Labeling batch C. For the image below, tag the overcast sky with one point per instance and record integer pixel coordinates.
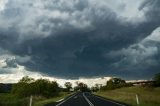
(79, 38)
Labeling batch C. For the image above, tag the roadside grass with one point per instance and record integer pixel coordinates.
(147, 96)
(8, 99)
(53, 100)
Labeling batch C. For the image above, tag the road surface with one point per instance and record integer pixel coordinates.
(86, 99)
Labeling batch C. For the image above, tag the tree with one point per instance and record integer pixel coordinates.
(1, 88)
(76, 88)
(115, 83)
(42, 87)
(118, 81)
(45, 88)
(82, 87)
(24, 87)
(68, 85)
(96, 87)
(157, 79)
(26, 79)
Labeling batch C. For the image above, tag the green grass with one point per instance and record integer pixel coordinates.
(147, 96)
(51, 100)
(7, 99)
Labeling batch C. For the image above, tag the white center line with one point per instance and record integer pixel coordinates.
(90, 103)
(66, 100)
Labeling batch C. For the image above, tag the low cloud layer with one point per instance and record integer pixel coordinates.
(81, 38)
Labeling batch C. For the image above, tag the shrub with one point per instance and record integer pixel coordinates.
(157, 79)
(41, 87)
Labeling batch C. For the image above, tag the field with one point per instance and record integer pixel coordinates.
(7, 99)
(51, 100)
(147, 96)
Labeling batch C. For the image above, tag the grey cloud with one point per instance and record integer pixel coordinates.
(11, 63)
(71, 38)
(140, 57)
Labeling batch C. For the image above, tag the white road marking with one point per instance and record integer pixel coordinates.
(60, 100)
(90, 103)
(66, 100)
(109, 101)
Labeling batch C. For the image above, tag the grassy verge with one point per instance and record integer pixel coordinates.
(7, 99)
(147, 96)
(51, 100)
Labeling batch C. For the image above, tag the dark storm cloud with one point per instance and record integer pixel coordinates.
(11, 63)
(80, 37)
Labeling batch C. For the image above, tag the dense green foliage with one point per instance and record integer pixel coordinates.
(157, 79)
(115, 83)
(8, 99)
(28, 86)
(5, 88)
(53, 100)
(1, 90)
(81, 87)
(68, 86)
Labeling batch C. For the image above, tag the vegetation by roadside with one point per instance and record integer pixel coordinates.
(41, 87)
(53, 100)
(46, 92)
(8, 99)
(148, 96)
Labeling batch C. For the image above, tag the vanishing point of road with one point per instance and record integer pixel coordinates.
(86, 99)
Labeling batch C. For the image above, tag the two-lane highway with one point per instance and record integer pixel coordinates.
(87, 99)
(75, 100)
(100, 101)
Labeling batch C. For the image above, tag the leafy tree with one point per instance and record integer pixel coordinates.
(68, 85)
(26, 79)
(82, 87)
(110, 84)
(28, 86)
(157, 79)
(94, 89)
(115, 83)
(1, 88)
(76, 88)
(45, 87)
(118, 81)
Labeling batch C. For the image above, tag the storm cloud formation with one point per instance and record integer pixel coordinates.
(75, 38)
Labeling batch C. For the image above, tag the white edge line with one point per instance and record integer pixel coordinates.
(65, 100)
(90, 103)
(110, 101)
(60, 100)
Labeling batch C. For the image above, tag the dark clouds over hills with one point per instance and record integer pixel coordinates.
(77, 38)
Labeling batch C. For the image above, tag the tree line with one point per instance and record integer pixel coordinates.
(42, 87)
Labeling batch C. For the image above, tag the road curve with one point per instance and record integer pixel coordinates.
(86, 99)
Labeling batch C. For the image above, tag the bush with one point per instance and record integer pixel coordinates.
(68, 86)
(41, 87)
(115, 83)
(157, 79)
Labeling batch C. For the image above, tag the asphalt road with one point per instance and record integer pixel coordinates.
(86, 99)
